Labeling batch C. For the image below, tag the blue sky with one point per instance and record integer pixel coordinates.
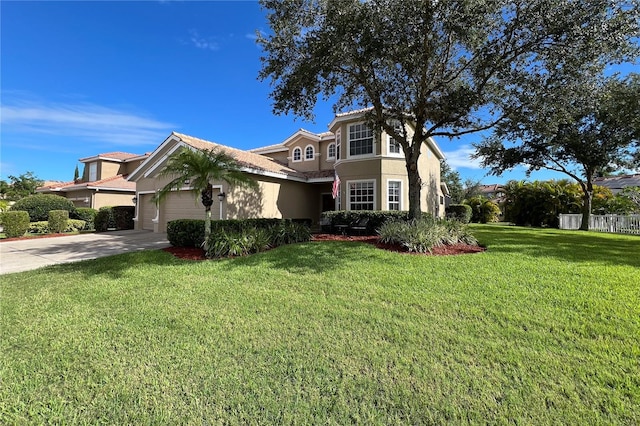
(82, 78)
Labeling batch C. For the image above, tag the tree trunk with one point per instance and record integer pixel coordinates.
(415, 188)
(207, 201)
(586, 205)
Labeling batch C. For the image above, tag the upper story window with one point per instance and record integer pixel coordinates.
(309, 153)
(297, 154)
(331, 151)
(393, 146)
(93, 171)
(338, 141)
(360, 140)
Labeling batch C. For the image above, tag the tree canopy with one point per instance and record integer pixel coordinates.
(20, 186)
(446, 67)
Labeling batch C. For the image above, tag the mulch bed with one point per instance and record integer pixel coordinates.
(192, 253)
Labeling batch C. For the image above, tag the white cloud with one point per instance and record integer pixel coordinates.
(461, 157)
(206, 43)
(87, 121)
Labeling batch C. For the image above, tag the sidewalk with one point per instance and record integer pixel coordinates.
(25, 255)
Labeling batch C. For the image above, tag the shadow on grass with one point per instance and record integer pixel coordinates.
(570, 246)
(312, 257)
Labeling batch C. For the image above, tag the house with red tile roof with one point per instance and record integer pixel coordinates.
(296, 177)
(103, 181)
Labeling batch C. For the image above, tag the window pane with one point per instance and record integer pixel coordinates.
(360, 139)
(394, 195)
(361, 195)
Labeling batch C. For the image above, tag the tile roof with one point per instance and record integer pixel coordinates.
(618, 182)
(245, 158)
(119, 156)
(113, 182)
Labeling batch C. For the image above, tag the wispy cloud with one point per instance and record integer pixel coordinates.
(206, 43)
(89, 122)
(461, 157)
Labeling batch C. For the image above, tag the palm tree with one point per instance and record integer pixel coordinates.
(200, 168)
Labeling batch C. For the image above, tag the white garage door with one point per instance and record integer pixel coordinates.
(185, 205)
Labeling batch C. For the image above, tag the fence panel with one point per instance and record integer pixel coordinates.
(613, 223)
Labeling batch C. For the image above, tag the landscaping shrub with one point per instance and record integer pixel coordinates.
(460, 212)
(87, 215)
(76, 225)
(483, 210)
(186, 232)
(123, 217)
(422, 235)
(15, 223)
(58, 221)
(104, 219)
(39, 227)
(38, 206)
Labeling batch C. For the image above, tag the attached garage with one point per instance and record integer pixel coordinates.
(185, 205)
(147, 211)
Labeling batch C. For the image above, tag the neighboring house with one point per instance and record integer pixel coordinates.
(618, 183)
(493, 192)
(296, 177)
(103, 182)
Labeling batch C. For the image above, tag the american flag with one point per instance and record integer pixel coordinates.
(336, 186)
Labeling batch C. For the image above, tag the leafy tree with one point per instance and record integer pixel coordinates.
(442, 67)
(20, 186)
(483, 210)
(632, 193)
(581, 132)
(200, 168)
(454, 183)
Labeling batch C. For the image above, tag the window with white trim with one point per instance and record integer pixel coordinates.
(360, 140)
(297, 154)
(393, 146)
(331, 151)
(338, 141)
(362, 195)
(394, 193)
(309, 153)
(93, 171)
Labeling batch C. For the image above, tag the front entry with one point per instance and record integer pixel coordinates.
(328, 203)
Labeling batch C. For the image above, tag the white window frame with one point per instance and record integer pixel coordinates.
(293, 154)
(399, 202)
(329, 156)
(391, 141)
(350, 141)
(93, 171)
(348, 192)
(306, 153)
(338, 142)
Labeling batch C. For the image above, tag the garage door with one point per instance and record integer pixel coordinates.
(147, 211)
(184, 205)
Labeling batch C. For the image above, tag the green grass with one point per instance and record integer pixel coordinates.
(543, 328)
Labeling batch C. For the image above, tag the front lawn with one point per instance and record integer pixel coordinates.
(543, 328)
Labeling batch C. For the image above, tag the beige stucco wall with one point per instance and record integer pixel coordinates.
(304, 165)
(107, 169)
(325, 163)
(109, 198)
(281, 157)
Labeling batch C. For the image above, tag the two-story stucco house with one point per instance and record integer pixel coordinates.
(296, 177)
(103, 182)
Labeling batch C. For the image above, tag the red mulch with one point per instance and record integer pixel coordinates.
(192, 253)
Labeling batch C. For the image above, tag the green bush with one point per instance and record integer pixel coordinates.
(39, 227)
(460, 212)
(87, 215)
(15, 223)
(483, 210)
(38, 206)
(58, 221)
(104, 219)
(75, 225)
(422, 235)
(186, 232)
(123, 217)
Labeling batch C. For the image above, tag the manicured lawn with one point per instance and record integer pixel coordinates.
(543, 328)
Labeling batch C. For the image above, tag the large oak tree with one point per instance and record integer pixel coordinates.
(444, 67)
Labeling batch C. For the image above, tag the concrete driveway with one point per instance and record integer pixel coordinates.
(25, 255)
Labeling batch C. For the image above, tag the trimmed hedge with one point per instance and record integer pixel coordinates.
(118, 218)
(87, 214)
(58, 221)
(38, 206)
(461, 212)
(15, 223)
(42, 227)
(190, 232)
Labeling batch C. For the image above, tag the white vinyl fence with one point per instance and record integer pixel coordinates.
(606, 223)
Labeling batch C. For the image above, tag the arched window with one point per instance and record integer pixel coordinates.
(308, 153)
(331, 151)
(297, 154)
